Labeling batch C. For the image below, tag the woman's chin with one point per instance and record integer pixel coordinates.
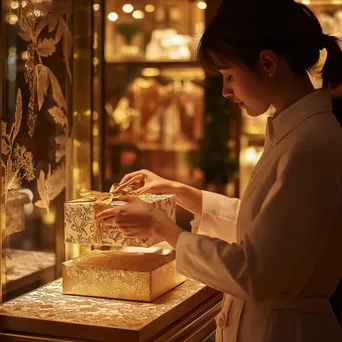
(254, 112)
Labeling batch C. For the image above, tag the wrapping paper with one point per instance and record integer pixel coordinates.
(136, 276)
(81, 227)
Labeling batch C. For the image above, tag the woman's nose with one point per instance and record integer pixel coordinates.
(227, 93)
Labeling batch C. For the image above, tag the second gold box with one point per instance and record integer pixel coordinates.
(115, 274)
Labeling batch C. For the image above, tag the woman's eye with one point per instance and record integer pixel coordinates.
(229, 78)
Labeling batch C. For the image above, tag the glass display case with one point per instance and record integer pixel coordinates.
(46, 145)
(35, 136)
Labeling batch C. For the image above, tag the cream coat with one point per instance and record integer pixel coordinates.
(277, 254)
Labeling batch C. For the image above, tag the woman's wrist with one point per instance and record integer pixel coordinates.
(188, 197)
(166, 229)
(176, 188)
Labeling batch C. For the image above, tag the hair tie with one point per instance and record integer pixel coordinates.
(322, 41)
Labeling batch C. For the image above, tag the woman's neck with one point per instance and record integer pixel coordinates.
(292, 91)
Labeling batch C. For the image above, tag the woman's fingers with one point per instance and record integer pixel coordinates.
(142, 190)
(110, 221)
(135, 179)
(131, 232)
(112, 212)
(129, 176)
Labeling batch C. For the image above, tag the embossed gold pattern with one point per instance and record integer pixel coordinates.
(116, 274)
(49, 304)
(16, 161)
(15, 220)
(45, 91)
(80, 223)
(50, 186)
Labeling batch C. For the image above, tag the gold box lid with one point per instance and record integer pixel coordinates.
(125, 259)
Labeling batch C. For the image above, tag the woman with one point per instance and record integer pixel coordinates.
(274, 253)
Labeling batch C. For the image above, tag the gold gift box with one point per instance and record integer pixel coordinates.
(81, 227)
(15, 218)
(136, 276)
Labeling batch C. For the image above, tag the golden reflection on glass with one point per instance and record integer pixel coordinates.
(36, 136)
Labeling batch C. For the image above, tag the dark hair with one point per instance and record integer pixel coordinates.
(240, 32)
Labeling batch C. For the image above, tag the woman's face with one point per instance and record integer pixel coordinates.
(246, 88)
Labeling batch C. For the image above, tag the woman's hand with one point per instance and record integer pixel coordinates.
(187, 197)
(152, 183)
(139, 219)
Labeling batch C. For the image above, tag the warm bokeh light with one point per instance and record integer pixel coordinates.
(13, 19)
(96, 7)
(112, 16)
(128, 8)
(25, 55)
(150, 8)
(138, 14)
(150, 72)
(202, 5)
(15, 4)
(49, 218)
(96, 61)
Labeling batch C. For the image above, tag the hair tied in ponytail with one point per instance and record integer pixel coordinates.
(322, 41)
(332, 70)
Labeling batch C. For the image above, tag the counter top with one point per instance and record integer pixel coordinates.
(46, 311)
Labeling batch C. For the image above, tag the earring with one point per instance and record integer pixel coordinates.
(270, 75)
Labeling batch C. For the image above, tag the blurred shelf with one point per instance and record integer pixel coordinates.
(178, 147)
(155, 64)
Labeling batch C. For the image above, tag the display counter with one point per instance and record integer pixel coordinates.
(184, 314)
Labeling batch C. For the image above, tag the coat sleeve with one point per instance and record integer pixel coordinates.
(289, 232)
(219, 216)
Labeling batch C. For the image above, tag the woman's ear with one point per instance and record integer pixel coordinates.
(268, 62)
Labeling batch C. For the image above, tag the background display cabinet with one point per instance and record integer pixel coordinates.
(154, 89)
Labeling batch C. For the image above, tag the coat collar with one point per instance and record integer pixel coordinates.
(319, 101)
